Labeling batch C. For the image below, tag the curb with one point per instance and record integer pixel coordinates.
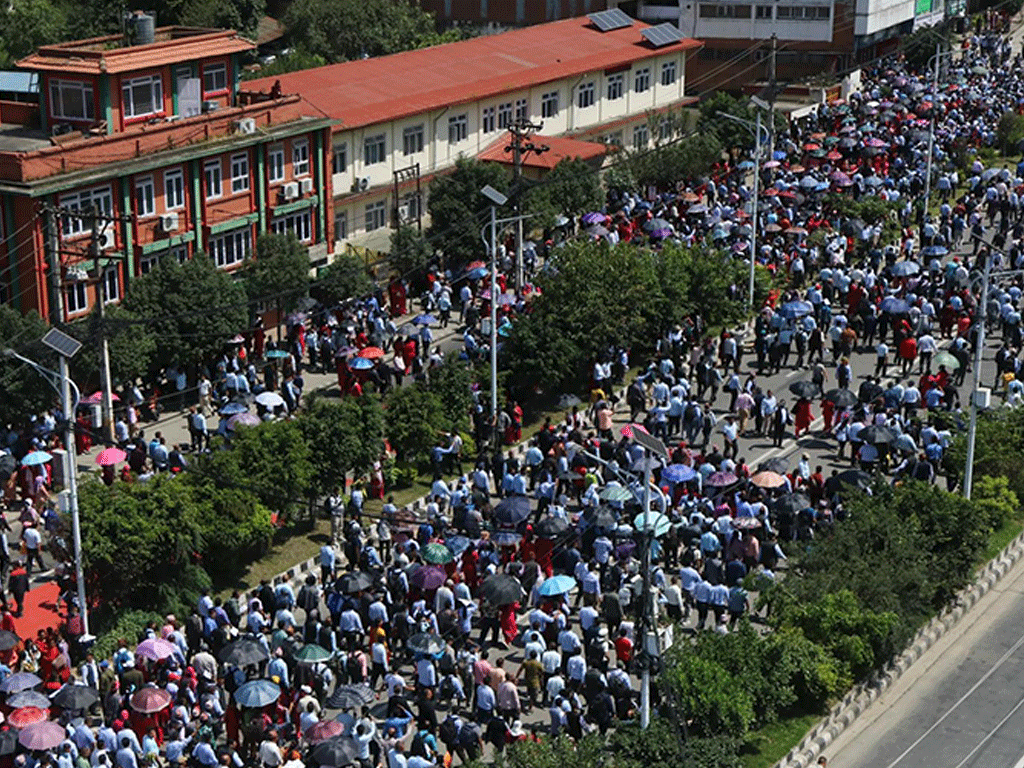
(857, 701)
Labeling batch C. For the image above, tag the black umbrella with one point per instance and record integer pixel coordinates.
(501, 589)
(869, 391)
(76, 697)
(357, 581)
(551, 526)
(791, 502)
(805, 389)
(426, 643)
(8, 741)
(852, 227)
(335, 753)
(604, 517)
(243, 652)
(8, 640)
(350, 696)
(512, 510)
(855, 477)
(779, 465)
(877, 435)
(841, 398)
(8, 466)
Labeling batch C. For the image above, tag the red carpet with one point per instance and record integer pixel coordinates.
(40, 609)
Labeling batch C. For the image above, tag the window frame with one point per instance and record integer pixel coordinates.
(340, 232)
(145, 207)
(111, 273)
(232, 247)
(239, 175)
(213, 68)
(458, 128)
(377, 146)
(339, 150)
(522, 109)
(175, 201)
(616, 87)
(300, 158)
(641, 131)
(488, 120)
(275, 163)
(156, 83)
(76, 289)
(586, 92)
(642, 80)
(297, 223)
(209, 180)
(413, 140)
(549, 104)
(669, 73)
(83, 200)
(371, 211)
(506, 115)
(88, 96)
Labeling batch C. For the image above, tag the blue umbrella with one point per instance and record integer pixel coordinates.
(233, 408)
(677, 473)
(457, 544)
(257, 693)
(505, 330)
(778, 154)
(556, 585)
(661, 233)
(935, 250)
(424, 320)
(656, 522)
(746, 165)
(894, 306)
(905, 268)
(35, 458)
(795, 309)
(821, 186)
(276, 354)
(477, 273)
(360, 364)
(19, 681)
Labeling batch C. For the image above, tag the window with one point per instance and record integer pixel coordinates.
(585, 95)
(549, 104)
(144, 196)
(71, 100)
(373, 149)
(142, 96)
(111, 284)
(211, 175)
(504, 115)
(798, 12)
(409, 208)
(148, 262)
(275, 162)
(174, 190)
(763, 11)
(487, 122)
(339, 157)
(522, 110)
(179, 252)
(668, 73)
(723, 11)
(297, 224)
(340, 225)
(76, 299)
(376, 216)
(240, 173)
(642, 80)
(215, 78)
(412, 140)
(5, 293)
(615, 86)
(665, 128)
(99, 200)
(641, 136)
(231, 247)
(615, 139)
(458, 128)
(300, 157)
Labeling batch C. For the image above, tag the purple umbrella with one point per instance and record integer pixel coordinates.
(40, 736)
(155, 649)
(840, 178)
(428, 577)
(243, 420)
(624, 551)
(721, 479)
(593, 218)
(875, 142)
(661, 233)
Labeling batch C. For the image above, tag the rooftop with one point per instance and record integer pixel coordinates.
(112, 54)
(386, 88)
(559, 148)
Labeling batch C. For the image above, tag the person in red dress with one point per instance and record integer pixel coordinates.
(802, 416)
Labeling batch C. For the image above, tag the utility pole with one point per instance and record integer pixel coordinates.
(54, 266)
(521, 131)
(772, 80)
(107, 399)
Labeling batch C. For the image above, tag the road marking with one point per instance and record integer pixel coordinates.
(1016, 646)
(990, 734)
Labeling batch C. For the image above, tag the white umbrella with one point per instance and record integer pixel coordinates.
(269, 399)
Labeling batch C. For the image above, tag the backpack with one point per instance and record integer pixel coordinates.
(449, 731)
(418, 746)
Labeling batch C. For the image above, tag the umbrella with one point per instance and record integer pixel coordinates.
(26, 716)
(905, 268)
(506, 538)
(337, 752)
(323, 730)
(97, 397)
(596, 230)
(10, 640)
(8, 466)
(19, 681)
(371, 353)
(771, 164)
(8, 741)
(242, 652)
(655, 224)
(746, 523)
(438, 554)
(808, 182)
(642, 465)
(149, 700)
(876, 435)
(360, 364)
(841, 398)
(795, 309)
(979, 70)
(42, 735)
(426, 644)
(75, 697)
(721, 479)
(476, 273)
(677, 473)
(768, 479)
(550, 527)
(501, 589)
(311, 653)
(243, 420)
(356, 581)
(233, 409)
(427, 577)
(155, 648)
(894, 306)
(698, 208)
(257, 693)
(627, 430)
(35, 458)
(603, 517)
(457, 544)
(778, 465)
(615, 493)
(855, 477)
(556, 585)
(269, 399)
(28, 699)
(110, 456)
(657, 523)
(424, 320)
(946, 359)
(276, 354)
(746, 165)
(805, 389)
(350, 696)
(869, 392)
(791, 502)
(512, 510)
(934, 250)
(594, 217)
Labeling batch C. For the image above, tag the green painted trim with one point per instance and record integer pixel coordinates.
(320, 187)
(170, 242)
(261, 185)
(298, 205)
(105, 103)
(197, 200)
(128, 233)
(224, 226)
(12, 257)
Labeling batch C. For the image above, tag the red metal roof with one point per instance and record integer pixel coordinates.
(559, 148)
(386, 88)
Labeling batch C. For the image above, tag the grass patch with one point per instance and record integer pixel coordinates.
(1002, 536)
(770, 744)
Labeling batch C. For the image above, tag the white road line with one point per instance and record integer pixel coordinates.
(990, 734)
(1019, 763)
(1016, 646)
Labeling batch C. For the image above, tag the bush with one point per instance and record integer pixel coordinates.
(712, 700)
(1010, 132)
(415, 418)
(128, 624)
(995, 501)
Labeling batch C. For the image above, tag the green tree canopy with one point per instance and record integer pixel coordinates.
(277, 272)
(452, 382)
(414, 419)
(27, 24)
(411, 254)
(131, 346)
(342, 279)
(22, 390)
(571, 188)
(458, 210)
(344, 436)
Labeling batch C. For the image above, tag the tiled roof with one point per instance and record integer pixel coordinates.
(386, 88)
(559, 148)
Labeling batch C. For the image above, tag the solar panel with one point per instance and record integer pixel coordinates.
(61, 343)
(611, 19)
(662, 35)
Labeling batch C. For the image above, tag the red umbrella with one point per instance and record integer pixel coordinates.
(325, 729)
(811, 146)
(149, 700)
(628, 430)
(371, 353)
(25, 716)
(110, 456)
(833, 155)
(42, 735)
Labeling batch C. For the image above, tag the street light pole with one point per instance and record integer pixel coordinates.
(496, 198)
(931, 131)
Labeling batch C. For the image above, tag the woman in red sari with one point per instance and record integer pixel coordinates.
(802, 416)
(507, 617)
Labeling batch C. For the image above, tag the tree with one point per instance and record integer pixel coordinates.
(191, 309)
(345, 436)
(344, 278)
(241, 15)
(683, 159)
(278, 272)
(452, 382)
(295, 61)
(27, 24)
(571, 188)
(414, 420)
(732, 135)
(22, 390)
(458, 210)
(712, 700)
(411, 254)
(131, 346)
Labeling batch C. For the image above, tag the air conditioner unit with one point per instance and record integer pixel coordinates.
(403, 212)
(77, 274)
(290, 191)
(210, 106)
(105, 240)
(169, 222)
(246, 125)
(305, 186)
(364, 183)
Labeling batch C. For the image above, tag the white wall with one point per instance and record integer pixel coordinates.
(875, 15)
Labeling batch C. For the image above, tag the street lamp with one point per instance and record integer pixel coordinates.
(939, 53)
(497, 199)
(66, 347)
